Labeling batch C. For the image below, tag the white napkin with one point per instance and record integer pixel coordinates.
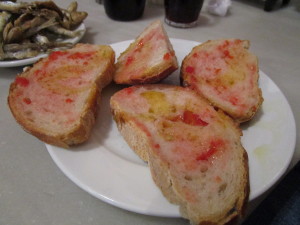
(218, 7)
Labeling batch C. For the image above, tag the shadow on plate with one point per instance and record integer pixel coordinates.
(103, 123)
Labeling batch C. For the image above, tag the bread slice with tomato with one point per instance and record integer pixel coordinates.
(226, 73)
(194, 152)
(149, 59)
(57, 98)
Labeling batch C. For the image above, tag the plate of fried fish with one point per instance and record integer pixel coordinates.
(31, 30)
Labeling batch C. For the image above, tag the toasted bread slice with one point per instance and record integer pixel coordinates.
(56, 99)
(194, 152)
(149, 59)
(225, 73)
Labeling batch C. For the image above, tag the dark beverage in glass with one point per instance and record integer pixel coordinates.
(182, 13)
(124, 10)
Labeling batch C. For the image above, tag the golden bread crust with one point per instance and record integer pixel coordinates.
(225, 73)
(159, 122)
(149, 59)
(57, 98)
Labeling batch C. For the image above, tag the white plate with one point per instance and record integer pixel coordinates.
(23, 62)
(108, 169)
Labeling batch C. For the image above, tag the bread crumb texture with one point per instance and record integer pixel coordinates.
(197, 147)
(59, 93)
(225, 73)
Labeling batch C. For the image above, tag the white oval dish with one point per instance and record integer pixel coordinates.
(108, 169)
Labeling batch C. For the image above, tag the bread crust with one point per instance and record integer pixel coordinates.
(126, 126)
(141, 52)
(220, 88)
(166, 70)
(140, 140)
(81, 130)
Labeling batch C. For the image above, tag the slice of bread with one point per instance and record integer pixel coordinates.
(225, 73)
(149, 59)
(194, 152)
(56, 99)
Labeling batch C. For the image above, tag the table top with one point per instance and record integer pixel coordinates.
(33, 190)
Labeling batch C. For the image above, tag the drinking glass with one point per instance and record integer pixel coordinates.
(124, 10)
(182, 13)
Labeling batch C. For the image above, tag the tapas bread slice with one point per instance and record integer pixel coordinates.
(194, 152)
(149, 59)
(225, 73)
(56, 99)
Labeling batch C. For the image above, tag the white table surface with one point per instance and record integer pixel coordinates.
(32, 188)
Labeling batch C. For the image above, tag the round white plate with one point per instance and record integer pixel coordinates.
(109, 170)
(23, 62)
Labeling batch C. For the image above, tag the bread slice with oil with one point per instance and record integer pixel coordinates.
(194, 152)
(56, 99)
(225, 73)
(149, 59)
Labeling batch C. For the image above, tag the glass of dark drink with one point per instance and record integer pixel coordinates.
(182, 13)
(124, 10)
